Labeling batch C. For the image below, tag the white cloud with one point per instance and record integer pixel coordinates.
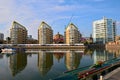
(66, 8)
(10, 11)
(30, 12)
(5, 10)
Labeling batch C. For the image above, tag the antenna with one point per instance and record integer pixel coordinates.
(70, 19)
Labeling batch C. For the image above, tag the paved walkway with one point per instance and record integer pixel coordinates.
(114, 75)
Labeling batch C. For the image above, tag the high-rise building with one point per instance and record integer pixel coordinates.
(1, 38)
(45, 34)
(72, 34)
(104, 30)
(18, 33)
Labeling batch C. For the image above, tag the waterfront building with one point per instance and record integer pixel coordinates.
(1, 38)
(58, 38)
(117, 38)
(45, 34)
(104, 30)
(72, 34)
(18, 33)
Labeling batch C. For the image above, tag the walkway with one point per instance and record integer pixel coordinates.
(114, 75)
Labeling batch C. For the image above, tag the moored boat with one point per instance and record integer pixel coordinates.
(8, 50)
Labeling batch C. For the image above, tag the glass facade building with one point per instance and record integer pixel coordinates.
(104, 30)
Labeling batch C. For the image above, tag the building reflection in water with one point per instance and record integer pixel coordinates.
(45, 62)
(72, 59)
(1, 56)
(18, 62)
(59, 56)
(116, 52)
(89, 52)
(102, 55)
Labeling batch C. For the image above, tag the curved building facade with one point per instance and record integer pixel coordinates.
(18, 33)
(45, 34)
(72, 34)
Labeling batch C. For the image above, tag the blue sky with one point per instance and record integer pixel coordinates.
(57, 13)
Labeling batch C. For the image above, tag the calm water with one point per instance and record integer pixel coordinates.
(44, 65)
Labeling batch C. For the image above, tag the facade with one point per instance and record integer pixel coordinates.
(45, 34)
(18, 33)
(58, 38)
(72, 35)
(104, 30)
(117, 38)
(1, 38)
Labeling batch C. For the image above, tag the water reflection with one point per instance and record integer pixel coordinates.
(1, 56)
(42, 62)
(72, 60)
(103, 55)
(45, 62)
(89, 52)
(59, 56)
(18, 62)
(114, 51)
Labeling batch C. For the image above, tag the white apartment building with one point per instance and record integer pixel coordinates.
(72, 34)
(104, 30)
(18, 33)
(45, 34)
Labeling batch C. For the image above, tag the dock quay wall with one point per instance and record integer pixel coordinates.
(96, 46)
(55, 47)
(37, 46)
